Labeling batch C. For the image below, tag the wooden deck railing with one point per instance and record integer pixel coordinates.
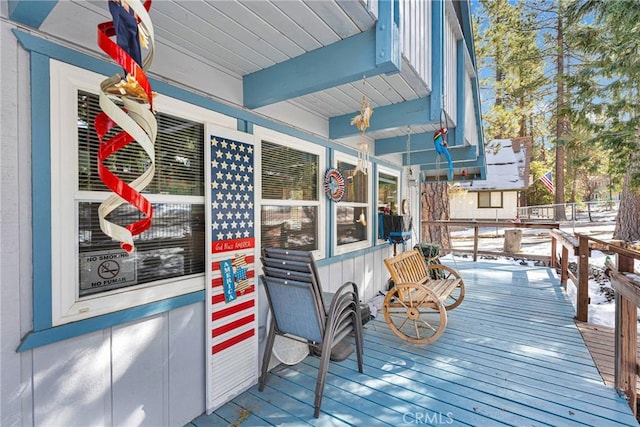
(476, 225)
(624, 280)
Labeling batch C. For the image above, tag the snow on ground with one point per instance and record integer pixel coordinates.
(538, 242)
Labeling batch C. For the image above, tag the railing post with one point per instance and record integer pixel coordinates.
(554, 255)
(626, 347)
(564, 269)
(475, 243)
(582, 302)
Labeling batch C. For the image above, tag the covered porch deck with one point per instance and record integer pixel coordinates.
(511, 355)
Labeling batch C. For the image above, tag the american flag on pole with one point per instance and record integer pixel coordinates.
(547, 181)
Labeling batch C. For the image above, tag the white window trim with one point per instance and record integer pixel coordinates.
(67, 305)
(395, 173)
(262, 133)
(350, 247)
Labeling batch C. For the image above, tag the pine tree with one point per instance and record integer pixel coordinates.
(606, 93)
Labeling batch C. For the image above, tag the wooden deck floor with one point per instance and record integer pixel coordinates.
(511, 355)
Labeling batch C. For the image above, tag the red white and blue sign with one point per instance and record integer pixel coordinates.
(231, 280)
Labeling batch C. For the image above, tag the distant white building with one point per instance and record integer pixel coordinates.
(495, 198)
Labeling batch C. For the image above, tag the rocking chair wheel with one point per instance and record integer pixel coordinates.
(439, 271)
(414, 313)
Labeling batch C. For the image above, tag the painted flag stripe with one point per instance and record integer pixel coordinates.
(232, 341)
(216, 332)
(232, 310)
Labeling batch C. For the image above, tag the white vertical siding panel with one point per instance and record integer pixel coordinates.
(471, 126)
(15, 225)
(450, 52)
(416, 33)
(71, 382)
(186, 362)
(139, 354)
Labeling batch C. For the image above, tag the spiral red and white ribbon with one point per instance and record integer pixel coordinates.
(138, 123)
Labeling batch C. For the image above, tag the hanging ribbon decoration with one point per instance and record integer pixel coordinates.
(138, 123)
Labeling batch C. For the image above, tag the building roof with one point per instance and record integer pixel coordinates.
(507, 166)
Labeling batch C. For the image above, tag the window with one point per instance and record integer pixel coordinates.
(91, 275)
(291, 208)
(352, 213)
(387, 197)
(174, 245)
(388, 193)
(490, 199)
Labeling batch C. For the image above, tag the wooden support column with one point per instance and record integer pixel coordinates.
(582, 303)
(627, 301)
(554, 255)
(564, 269)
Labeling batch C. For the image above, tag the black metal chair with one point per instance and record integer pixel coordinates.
(299, 312)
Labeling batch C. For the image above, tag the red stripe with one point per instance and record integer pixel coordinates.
(218, 280)
(215, 266)
(216, 299)
(217, 315)
(216, 332)
(232, 341)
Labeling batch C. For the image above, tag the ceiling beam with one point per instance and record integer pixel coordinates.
(430, 157)
(399, 115)
(31, 13)
(373, 52)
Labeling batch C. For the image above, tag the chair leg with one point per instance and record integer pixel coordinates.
(359, 342)
(322, 374)
(266, 358)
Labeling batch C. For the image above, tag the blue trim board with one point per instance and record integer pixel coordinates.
(31, 13)
(69, 330)
(399, 115)
(461, 94)
(437, 58)
(467, 31)
(41, 191)
(388, 44)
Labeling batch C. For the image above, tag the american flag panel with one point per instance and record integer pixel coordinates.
(231, 292)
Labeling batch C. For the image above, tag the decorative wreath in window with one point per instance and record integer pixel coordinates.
(334, 184)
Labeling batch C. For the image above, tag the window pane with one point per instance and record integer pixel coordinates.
(355, 183)
(288, 174)
(388, 192)
(172, 247)
(484, 199)
(291, 227)
(496, 199)
(179, 149)
(351, 224)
